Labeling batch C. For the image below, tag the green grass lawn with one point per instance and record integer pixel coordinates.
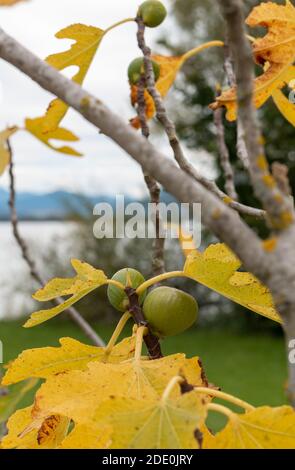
(250, 366)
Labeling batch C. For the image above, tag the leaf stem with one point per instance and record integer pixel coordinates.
(119, 23)
(116, 283)
(142, 330)
(221, 409)
(167, 392)
(155, 280)
(201, 48)
(225, 396)
(118, 330)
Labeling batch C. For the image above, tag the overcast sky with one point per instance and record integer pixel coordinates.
(104, 167)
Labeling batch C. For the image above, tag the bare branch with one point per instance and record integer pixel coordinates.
(280, 174)
(158, 263)
(224, 155)
(242, 151)
(231, 78)
(73, 314)
(278, 207)
(217, 216)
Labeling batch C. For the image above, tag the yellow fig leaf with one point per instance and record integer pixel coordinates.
(276, 49)
(4, 152)
(277, 46)
(86, 437)
(11, 397)
(35, 127)
(140, 380)
(284, 106)
(155, 424)
(87, 280)
(71, 355)
(265, 86)
(216, 268)
(81, 54)
(49, 434)
(263, 428)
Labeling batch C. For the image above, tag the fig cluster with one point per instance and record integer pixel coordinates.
(168, 311)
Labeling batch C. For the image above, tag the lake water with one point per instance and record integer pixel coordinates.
(16, 286)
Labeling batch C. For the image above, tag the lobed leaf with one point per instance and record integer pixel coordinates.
(87, 280)
(217, 267)
(153, 424)
(263, 428)
(138, 380)
(81, 54)
(71, 355)
(35, 127)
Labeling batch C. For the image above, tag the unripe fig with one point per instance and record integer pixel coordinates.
(136, 69)
(128, 277)
(152, 12)
(169, 311)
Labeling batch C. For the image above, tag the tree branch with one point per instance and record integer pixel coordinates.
(217, 216)
(278, 207)
(73, 314)
(230, 74)
(158, 263)
(224, 155)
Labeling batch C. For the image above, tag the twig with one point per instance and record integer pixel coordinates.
(279, 209)
(242, 151)
(72, 312)
(151, 341)
(170, 130)
(224, 155)
(280, 174)
(158, 263)
(231, 78)
(228, 64)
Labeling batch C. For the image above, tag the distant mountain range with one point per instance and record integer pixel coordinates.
(58, 205)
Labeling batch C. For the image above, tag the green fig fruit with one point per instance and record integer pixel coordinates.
(136, 69)
(128, 277)
(169, 311)
(152, 12)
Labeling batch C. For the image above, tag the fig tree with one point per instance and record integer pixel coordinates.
(169, 311)
(153, 13)
(128, 277)
(136, 69)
